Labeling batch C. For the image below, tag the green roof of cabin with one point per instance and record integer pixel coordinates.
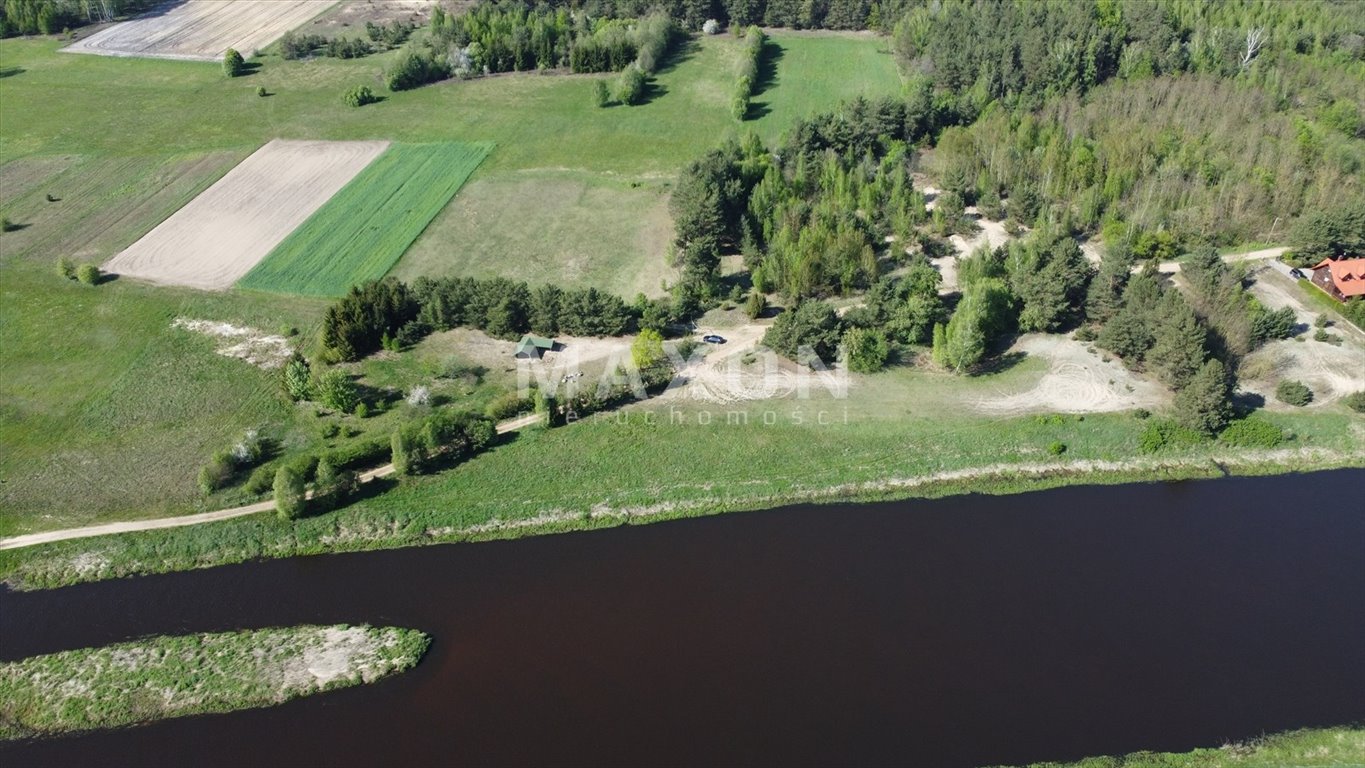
(529, 342)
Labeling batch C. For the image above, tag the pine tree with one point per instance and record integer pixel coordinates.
(1180, 342)
(1204, 403)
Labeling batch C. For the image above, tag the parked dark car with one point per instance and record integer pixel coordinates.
(1297, 274)
(713, 339)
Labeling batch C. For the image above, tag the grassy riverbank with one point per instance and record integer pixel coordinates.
(1318, 747)
(605, 473)
(164, 677)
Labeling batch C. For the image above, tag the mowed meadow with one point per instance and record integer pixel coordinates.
(107, 411)
(362, 231)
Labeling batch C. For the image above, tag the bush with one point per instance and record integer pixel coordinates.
(867, 350)
(1355, 401)
(647, 350)
(1056, 448)
(415, 69)
(261, 480)
(217, 473)
(710, 27)
(1321, 321)
(289, 494)
(88, 274)
(1325, 337)
(1167, 434)
(66, 268)
(1252, 432)
(359, 96)
(600, 95)
(333, 486)
(337, 391)
(233, 63)
(296, 378)
(261, 91)
(362, 410)
(630, 85)
(507, 405)
(1294, 393)
(7, 225)
(756, 305)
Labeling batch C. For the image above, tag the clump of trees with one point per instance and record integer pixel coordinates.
(390, 314)
(415, 68)
(809, 333)
(1329, 233)
(49, 17)
(746, 80)
(444, 438)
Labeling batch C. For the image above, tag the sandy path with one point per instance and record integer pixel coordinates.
(202, 30)
(221, 234)
(47, 537)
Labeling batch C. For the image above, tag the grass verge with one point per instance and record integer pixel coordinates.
(362, 231)
(174, 676)
(600, 474)
(1340, 747)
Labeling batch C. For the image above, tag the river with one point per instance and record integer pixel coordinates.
(964, 631)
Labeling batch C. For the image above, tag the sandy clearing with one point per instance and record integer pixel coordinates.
(351, 15)
(221, 234)
(202, 30)
(1077, 381)
(1331, 371)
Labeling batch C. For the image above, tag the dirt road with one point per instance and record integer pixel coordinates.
(47, 537)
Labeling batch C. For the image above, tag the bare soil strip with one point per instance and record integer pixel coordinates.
(202, 30)
(221, 234)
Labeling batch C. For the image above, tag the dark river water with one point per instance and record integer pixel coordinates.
(964, 631)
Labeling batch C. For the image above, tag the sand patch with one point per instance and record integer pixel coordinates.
(1077, 381)
(202, 30)
(221, 234)
(247, 344)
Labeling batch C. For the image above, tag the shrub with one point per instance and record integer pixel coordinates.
(1056, 448)
(419, 396)
(1355, 401)
(710, 27)
(1141, 414)
(867, 350)
(88, 274)
(507, 405)
(233, 63)
(1252, 432)
(648, 349)
(1293, 393)
(601, 96)
(402, 453)
(7, 225)
(1325, 337)
(217, 473)
(756, 305)
(337, 391)
(630, 85)
(1086, 333)
(66, 268)
(1167, 434)
(249, 450)
(415, 69)
(261, 480)
(289, 494)
(362, 410)
(333, 486)
(296, 378)
(1321, 321)
(261, 91)
(359, 96)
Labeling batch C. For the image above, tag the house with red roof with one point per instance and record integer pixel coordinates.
(1342, 279)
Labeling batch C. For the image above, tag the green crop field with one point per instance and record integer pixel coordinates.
(362, 231)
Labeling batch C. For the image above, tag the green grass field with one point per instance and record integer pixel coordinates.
(362, 231)
(815, 70)
(1310, 748)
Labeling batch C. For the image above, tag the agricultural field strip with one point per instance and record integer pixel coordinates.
(362, 231)
(202, 30)
(221, 234)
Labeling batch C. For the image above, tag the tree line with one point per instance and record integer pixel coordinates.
(49, 17)
(390, 314)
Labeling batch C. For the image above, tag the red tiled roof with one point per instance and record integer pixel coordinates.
(1348, 275)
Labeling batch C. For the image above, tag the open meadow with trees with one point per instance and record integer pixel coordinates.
(1107, 138)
